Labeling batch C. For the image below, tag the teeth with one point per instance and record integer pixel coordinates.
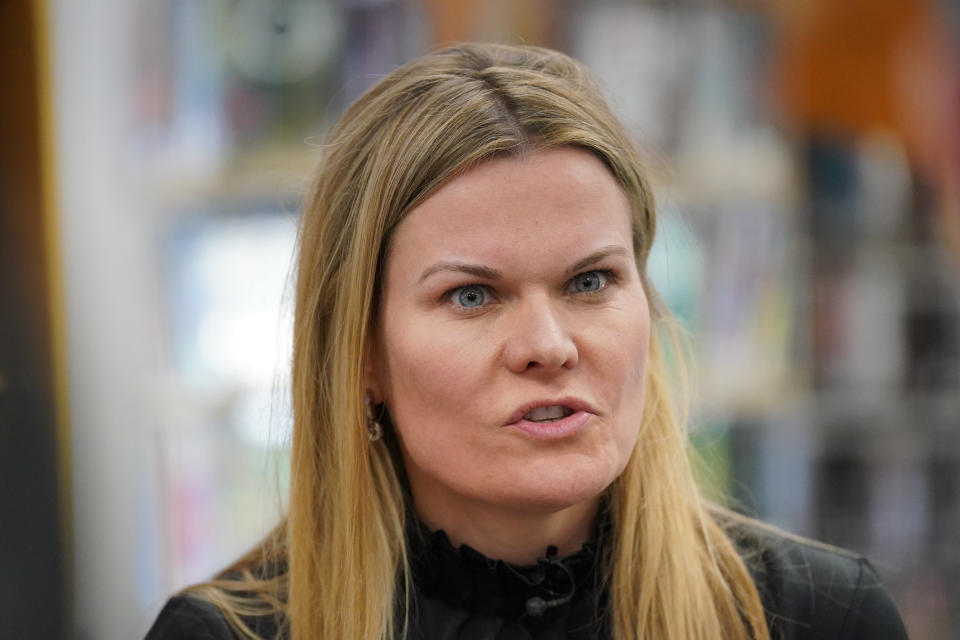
(545, 414)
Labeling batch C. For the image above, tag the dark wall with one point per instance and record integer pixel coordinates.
(33, 594)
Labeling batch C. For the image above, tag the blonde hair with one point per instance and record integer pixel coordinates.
(337, 566)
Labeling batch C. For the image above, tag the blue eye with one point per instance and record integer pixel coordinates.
(470, 297)
(588, 282)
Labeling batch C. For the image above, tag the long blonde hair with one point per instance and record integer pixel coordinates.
(337, 566)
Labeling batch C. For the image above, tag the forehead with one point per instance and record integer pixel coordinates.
(556, 203)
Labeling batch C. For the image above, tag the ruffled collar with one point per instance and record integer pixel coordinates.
(465, 578)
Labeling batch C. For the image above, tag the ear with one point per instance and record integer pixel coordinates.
(372, 369)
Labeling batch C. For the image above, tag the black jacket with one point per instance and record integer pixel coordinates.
(809, 591)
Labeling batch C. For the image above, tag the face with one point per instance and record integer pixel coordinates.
(512, 337)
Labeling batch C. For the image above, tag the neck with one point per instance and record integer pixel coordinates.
(515, 536)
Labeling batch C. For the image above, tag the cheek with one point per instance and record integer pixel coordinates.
(629, 362)
(429, 379)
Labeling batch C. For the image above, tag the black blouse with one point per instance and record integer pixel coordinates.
(809, 591)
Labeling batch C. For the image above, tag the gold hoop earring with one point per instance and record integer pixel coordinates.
(374, 429)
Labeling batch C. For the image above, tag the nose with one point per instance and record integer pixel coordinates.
(539, 339)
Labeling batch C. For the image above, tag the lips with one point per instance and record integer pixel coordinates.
(549, 410)
(548, 414)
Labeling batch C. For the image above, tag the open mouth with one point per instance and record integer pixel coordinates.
(548, 414)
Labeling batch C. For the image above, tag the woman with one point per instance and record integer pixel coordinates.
(485, 445)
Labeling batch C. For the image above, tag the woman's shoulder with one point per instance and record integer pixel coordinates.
(191, 617)
(187, 617)
(812, 590)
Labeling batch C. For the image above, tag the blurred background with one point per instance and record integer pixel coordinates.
(806, 157)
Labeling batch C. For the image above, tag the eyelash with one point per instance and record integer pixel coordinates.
(608, 277)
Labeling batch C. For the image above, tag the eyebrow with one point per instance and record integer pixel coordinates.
(488, 273)
(597, 256)
(464, 267)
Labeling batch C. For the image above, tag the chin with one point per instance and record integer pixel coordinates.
(553, 492)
